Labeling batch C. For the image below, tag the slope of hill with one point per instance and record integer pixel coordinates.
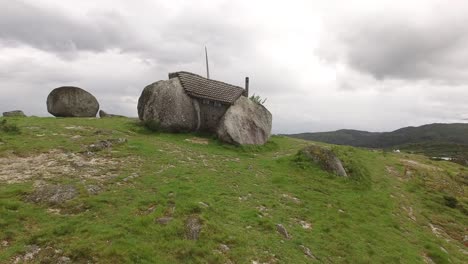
(84, 190)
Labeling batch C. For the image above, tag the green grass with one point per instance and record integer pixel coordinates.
(248, 191)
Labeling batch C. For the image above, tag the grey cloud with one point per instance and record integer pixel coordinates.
(176, 39)
(391, 46)
(52, 30)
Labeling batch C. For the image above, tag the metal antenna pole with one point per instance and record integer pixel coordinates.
(207, 67)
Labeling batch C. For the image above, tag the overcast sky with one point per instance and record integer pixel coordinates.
(323, 65)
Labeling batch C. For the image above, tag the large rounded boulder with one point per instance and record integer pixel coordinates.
(165, 105)
(71, 101)
(245, 123)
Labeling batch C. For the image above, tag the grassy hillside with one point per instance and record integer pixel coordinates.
(130, 201)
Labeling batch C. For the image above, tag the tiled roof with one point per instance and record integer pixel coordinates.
(200, 87)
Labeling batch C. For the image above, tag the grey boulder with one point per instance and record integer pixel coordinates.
(103, 114)
(71, 101)
(245, 123)
(15, 113)
(325, 158)
(165, 105)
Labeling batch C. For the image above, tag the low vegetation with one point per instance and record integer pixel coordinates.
(184, 198)
(257, 99)
(8, 128)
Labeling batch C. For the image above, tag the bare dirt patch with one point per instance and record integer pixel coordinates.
(198, 140)
(58, 164)
(416, 164)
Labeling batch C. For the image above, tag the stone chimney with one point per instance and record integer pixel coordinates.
(246, 92)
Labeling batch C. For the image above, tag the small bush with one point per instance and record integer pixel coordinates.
(450, 201)
(9, 128)
(257, 99)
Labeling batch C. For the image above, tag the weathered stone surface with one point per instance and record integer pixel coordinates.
(15, 113)
(36, 254)
(245, 123)
(103, 114)
(224, 248)
(93, 189)
(325, 158)
(307, 252)
(165, 105)
(282, 230)
(71, 101)
(193, 227)
(53, 194)
(105, 144)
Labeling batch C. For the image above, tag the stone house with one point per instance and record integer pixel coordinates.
(188, 102)
(211, 98)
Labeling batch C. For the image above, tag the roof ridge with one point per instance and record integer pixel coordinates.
(200, 87)
(194, 74)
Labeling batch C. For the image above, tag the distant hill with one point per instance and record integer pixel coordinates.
(442, 133)
(432, 140)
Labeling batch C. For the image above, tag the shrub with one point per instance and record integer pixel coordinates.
(9, 128)
(450, 201)
(257, 99)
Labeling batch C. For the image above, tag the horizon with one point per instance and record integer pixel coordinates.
(322, 65)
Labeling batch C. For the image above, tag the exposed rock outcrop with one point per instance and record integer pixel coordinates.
(282, 230)
(105, 144)
(166, 106)
(325, 158)
(103, 114)
(71, 101)
(53, 194)
(245, 123)
(15, 113)
(193, 227)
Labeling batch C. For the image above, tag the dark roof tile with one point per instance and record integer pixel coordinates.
(203, 88)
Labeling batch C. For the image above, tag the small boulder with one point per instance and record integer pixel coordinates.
(282, 230)
(193, 227)
(245, 123)
(224, 248)
(325, 158)
(15, 113)
(105, 144)
(71, 101)
(103, 114)
(165, 105)
(307, 252)
(93, 189)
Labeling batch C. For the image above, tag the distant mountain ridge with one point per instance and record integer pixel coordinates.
(456, 133)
